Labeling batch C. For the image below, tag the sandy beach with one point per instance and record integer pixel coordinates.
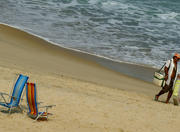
(89, 97)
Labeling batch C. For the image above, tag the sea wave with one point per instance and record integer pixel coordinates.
(171, 15)
(142, 32)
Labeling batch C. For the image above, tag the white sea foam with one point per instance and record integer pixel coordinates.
(125, 31)
(115, 5)
(168, 16)
(60, 45)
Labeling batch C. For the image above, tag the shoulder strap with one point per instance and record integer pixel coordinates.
(164, 65)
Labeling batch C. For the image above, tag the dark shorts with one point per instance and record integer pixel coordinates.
(169, 87)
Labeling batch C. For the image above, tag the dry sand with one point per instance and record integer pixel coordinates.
(88, 96)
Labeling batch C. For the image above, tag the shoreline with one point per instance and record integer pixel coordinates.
(142, 72)
(75, 50)
(34, 53)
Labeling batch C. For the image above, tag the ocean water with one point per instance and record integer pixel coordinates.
(145, 32)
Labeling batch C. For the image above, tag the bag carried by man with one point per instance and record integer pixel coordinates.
(159, 77)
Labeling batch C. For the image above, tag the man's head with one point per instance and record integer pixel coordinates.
(176, 57)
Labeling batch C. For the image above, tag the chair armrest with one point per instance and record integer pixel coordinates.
(47, 106)
(4, 94)
(39, 103)
(7, 95)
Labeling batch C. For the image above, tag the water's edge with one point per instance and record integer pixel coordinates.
(138, 71)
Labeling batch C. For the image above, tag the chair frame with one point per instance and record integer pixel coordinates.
(15, 98)
(35, 104)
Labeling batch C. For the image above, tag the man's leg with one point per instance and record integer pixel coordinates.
(169, 95)
(170, 91)
(164, 90)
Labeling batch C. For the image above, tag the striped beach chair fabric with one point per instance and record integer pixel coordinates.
(31, 96)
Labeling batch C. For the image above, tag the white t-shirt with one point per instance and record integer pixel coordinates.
(170, 64)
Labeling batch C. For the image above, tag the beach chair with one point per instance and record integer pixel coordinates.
(33, 105)
(16, 94)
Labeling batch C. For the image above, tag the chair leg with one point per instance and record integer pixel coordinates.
(10, 110)
(38, 116)
(20, 109)
(47, 112)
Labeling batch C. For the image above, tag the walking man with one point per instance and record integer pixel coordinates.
(171, 72)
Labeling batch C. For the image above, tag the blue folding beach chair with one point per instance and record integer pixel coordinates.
(16, 94)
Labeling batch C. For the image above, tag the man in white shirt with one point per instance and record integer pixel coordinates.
(171, 71)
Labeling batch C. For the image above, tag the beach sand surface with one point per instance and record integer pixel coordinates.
(88, 96)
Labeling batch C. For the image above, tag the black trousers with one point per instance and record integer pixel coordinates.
(169, 87)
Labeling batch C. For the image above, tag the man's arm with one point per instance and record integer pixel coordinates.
(166, 73)
(166, 69)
